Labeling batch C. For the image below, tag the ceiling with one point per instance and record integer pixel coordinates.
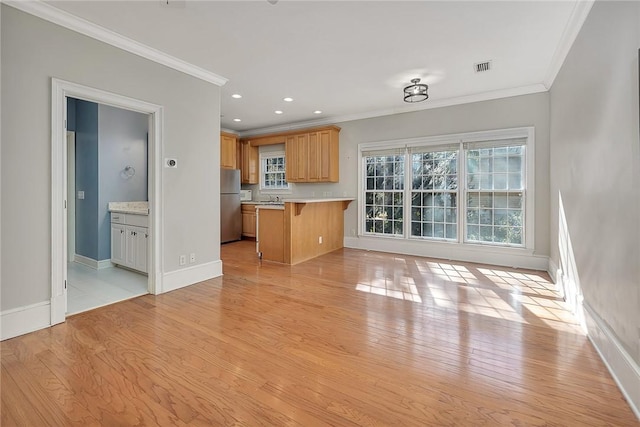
(349, 59)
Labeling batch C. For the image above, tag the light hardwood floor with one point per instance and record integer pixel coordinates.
(350, 338)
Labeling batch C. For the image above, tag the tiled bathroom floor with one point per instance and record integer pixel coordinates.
(88, 288)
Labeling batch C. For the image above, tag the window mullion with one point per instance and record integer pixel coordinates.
(462, 193)
(408, 177)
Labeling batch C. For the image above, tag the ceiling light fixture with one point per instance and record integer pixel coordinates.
(416, 92)
(278, 112)
(317, 112)
(236, 96)
(237, 120)
(287, 99)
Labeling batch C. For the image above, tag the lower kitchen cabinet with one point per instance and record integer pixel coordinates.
(130, 241)
(249, 220)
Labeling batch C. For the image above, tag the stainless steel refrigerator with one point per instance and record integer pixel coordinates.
(230, 214)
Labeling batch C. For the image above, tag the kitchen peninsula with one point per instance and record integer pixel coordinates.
(300, 229)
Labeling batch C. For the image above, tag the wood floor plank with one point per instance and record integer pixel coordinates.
(352, 338)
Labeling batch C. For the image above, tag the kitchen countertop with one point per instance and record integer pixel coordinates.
(321, 200)
(299, 200)
(270, 206)
(135, 208)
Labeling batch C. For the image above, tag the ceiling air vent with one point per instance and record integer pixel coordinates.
(481, 67)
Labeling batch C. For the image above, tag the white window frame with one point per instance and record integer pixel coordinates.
(263, 187)
(460, 140)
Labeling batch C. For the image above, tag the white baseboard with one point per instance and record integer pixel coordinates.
(190, 275)
(519, 258)
(22, 320)
(92, 263)
(556, 276)
(623, 368)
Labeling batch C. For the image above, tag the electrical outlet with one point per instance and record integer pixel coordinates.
(183, 259)
(320, 240)
(192, 258)
(353, 231)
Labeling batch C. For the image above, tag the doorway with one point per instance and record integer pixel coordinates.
(61, 90)
(107, 161)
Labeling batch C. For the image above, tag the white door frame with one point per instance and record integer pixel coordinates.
(60, 90)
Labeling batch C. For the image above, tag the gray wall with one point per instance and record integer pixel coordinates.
(528, 110)
(32, 52)
(86, 126)
(122, 141)
(595, 167)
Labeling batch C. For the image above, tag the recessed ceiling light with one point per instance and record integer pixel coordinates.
(317, 112)
(236, 96)
(237, 120)
(287, 99)
(278, 112)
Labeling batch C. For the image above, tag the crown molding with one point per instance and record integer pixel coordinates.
(427, 105)
(579, 14)
(67, 20)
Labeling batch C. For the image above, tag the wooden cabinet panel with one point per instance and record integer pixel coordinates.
(328, 156)
(313, 156)
(271, 239)
(249, 220)
(296, 153)
(323, 161)
(249, 163)
(228, 150)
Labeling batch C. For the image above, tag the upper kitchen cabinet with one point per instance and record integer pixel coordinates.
(297, 157)
(313, 156)
(228, 150)
(323, 159)
(248, 163)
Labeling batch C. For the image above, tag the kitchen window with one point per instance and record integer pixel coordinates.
(272, 167)
(466, 189)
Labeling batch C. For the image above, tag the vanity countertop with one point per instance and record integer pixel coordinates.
(135, 208)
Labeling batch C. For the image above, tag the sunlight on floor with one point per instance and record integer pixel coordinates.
(502, 293)
(405, 289)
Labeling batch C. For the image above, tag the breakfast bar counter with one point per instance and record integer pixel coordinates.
(304, 229)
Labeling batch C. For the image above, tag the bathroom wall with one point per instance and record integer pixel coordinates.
(122, 142)
(86, 127)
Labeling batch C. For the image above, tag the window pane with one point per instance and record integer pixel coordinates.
(451, 231)
(384, 197)
(492, 173)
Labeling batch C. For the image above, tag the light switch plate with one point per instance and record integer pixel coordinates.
(80, 195)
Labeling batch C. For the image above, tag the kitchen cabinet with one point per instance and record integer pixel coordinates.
(313, 156)
(249, 163)
(130, 240)
(228, 150)
(296, 153)
(323, 159)
(304, 229)
(271, 229)
(249, 220)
